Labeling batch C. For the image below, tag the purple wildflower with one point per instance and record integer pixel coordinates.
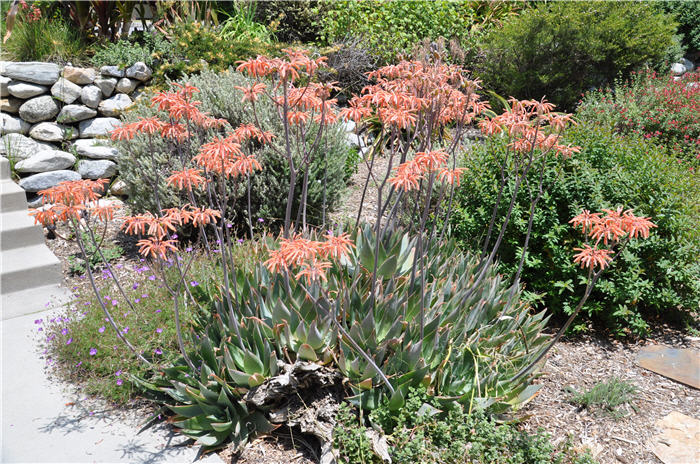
(93, 351)
(70, 340)
(101, 329)
(159, 330)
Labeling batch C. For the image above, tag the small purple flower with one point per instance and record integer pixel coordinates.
(64, 331)
(159, 330)
(240, 240)
(157, 351)
(87, 303)
(119, 266)
(79, 364)
(40, 329)
(137, 300)
(70, 340)
(118, 373)
(228, 226)
(188, 249)
(194, 283)
(126, 330)
(261, 220)
(38, 321)
(101, 329)
(115, 302)
(93, 351)
(120, 381)
(145, 295)
(151, 277)
(218, 242)
(174, 237)
(158, 310)
(135, 286)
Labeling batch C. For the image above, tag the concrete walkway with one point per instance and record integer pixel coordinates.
(44, 422)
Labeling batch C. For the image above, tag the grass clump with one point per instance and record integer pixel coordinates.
(606, 396)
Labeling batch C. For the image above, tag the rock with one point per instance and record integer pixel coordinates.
(113, 106)
(136, 94)
(119, 188)
(46, 180)
(348, 126)
(677, 69)
(12, 125)
(111, 71)
(75, 113)
(19, 147)
(35, 201)
(354, 140)
(139, 71)
(97, 127)
(37, 73)
(46, 160)
(679, 440)
(10, 105)
(97, 169)
(79, 76)
(38, 109)
(94, 148)
(66, 91)
(91, 95)
(689, 66)
(106, 85)
(4, 82)
(51, 132)
(126, 85)
(25, 90)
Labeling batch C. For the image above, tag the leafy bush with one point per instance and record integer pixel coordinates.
(687, 14)
(349, 61)
(391, 28)
(657, 107)
(220, 97)
(653, 278)
(291, 20)
(561, 49)
(44, 39)
(148, 48)
(427, 432)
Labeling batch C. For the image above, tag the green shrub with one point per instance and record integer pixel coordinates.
(653, 278)
(44, 40)
(606, 396)
(659, 108)
(291, 20)
(151, 49)
(389, 28)
(688, 16)
(94, 260)
(427, 432)
(219, 97)
(561, 49)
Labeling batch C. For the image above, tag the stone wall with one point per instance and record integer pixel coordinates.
(54, 120)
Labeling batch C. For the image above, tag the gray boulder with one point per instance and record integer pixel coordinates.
(687, 64)
(10, 105)
(98, 127)
(38, 109)
(46, 180)
(12, 125)
(37, 73)
(139, 71)
(4, 82)
(119, 188)
(126, 85)
(91, 96)
(45, 161)
(111, 71)
(66, 91)
(113, 106)
(106, 85)
(25, 90)
(97, 169)
(19, 147)
(79, 76)
(94, 148)
(52, 132)
(75, 113)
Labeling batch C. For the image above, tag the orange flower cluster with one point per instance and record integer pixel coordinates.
(405, 91)
(224, 156)
(288, 69)
(160, 227)
(531, 124)
(72, 200)
(609, 229)
(409, 173)
(310, 258)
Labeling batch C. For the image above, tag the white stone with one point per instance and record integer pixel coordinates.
(46, 160)
(126, 85)
(25, 90)
(111, 71)
(13, 125)
(96, 169)
(79, 76)
(354, 140)
(10, 105)
(38, 109)
(4, 82)
(46, 180)
(139, 71)
(51, 132)
(66, 91)
(75, 113)
(119, 188)
(113, 106)
(95, 148)
(349, 126)
(91, 96)
(106, 85)
(37, 73)
(678, 69)
(19, 147)
(97, 127)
